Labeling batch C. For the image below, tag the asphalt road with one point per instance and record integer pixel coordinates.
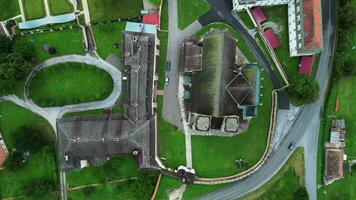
(302, 125)
(221, 12)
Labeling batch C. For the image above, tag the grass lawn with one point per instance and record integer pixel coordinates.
(249, 145)
(171, 141)
(106, 35)
(169, 184)
(10, 10)
(65, 42)
(279, 16)
(60, 7)
(113, 9)
(161, 66)
(189, 11)
(41, 164)
(164, 15)
(285, 183)
(120, 191)
(60, 85)
(114, 169)
(245, 18)
(34, 9)
(342, 89)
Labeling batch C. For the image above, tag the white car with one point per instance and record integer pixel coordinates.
(166, 81)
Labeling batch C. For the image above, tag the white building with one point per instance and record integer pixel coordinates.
(304, 23)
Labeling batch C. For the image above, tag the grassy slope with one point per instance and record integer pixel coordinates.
(171, 141)
(279, 16)
(65, 42)
(164, 15)
(10, 10)
(246, 19)
(60, 85)
(104, 192)
(285, 183)
(342, 89)
(106, 35)
(189, 11)
(60, 7)
(114, 169)
(42, 164)
(168, 184)
(161, 70)
(33, 9)
(113, 9)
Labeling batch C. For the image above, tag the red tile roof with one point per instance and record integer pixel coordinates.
(272, 38)
(153, 19)
(306, 65)
(258, 15)
(312, 24)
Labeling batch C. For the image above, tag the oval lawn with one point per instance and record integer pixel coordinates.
(70, 83)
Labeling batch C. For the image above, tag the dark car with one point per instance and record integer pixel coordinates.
(291, 146)
(168, 66)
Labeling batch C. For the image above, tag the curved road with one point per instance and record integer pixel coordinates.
(221, 12)
(52, 113)
(302, 125)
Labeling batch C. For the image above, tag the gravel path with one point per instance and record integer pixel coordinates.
(51, 114)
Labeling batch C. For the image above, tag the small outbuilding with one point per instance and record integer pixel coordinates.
(306, 65)
(272, 38)
(258, 15)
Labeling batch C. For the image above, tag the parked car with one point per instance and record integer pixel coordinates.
(291, 146)
(166, 81)
(168, 65)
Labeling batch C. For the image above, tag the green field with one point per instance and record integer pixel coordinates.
(189, 11)
(103, 192)
(41, 164)
(161, 66)
(164, 15)
(34, 9)
(344, 91)
(279, 16)
(65, 42)
(114, 169)
(285, 183)
(106, 35)
(114, 9)
(171, 141)
(168, 185)
(245, 18)
(61, 85)
(10, 10)
(60, 7)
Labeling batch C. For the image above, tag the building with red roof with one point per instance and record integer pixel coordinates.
(272, 38)
(153, 19)
(258, 15)
(306, 65)
(304, 22)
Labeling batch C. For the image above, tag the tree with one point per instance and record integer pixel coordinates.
(5, 44)
(26, 49)
(143, 186)
(14, 161)
(52, 50)
(38, 187)
(301, 194)
(303, 89)
(14, 67)
(31, 138)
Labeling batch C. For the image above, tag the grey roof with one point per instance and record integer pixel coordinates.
(98, 138)
(208, 86)
(192, 57)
